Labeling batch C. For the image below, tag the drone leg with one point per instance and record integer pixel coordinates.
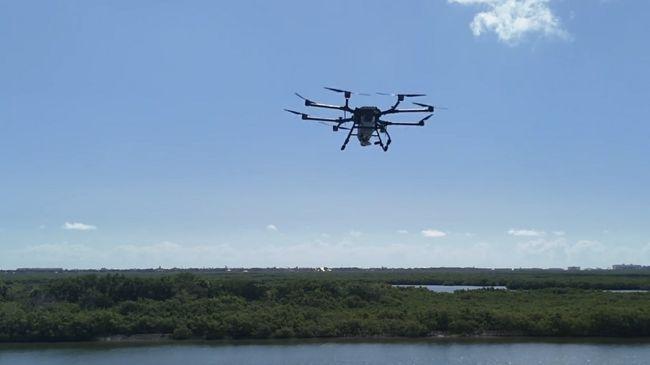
(381, 143)
(388, 135)
(347, 139)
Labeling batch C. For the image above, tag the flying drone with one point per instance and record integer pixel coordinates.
(367, 121)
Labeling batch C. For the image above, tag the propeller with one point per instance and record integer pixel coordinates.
(402, 96)
(421, 122)
(347, 95)
(303, 115)
(307, 101)
(346, 92)
(431, 107)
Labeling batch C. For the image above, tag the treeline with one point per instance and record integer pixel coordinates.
(190, 306)
(513, 279)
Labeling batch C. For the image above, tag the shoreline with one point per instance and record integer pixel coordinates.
(165, 339)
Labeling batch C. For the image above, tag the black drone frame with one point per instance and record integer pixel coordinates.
(379, 127)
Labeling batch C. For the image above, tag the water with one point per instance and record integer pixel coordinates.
(451, 288)
(333, 353)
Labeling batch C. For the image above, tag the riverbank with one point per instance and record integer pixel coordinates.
(481, 338)
(162, 340)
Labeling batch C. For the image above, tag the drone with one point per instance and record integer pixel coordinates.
(367, 122)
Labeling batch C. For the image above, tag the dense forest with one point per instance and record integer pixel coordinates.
(186, 305)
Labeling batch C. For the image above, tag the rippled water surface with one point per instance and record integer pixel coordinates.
(313, 353)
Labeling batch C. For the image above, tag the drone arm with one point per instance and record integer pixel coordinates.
(309, 102)
(411, 124)
(410, 110)
(333, 120)
(418, 123)
(328, 106)
(305, 116)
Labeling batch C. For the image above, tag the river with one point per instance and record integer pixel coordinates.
(455, 352)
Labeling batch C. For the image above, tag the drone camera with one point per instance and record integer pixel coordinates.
(335, 128)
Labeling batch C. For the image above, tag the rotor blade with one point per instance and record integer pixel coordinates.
(294, 112)
(424, 105)
(300, 96)
(430, 106)
(402, 95)
(347, 92)
(337, 90)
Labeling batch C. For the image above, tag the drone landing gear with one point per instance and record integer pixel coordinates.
(381, 143)
(389, 140)
(347, 139)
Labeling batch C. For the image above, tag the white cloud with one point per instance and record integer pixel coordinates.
(272, 228)
(433, 233)
(560, 252)
(536, 252)
(78, 226)
(541, 246)
(580, 247)
(356, 234)
(308, 254)
(511, 20)
(402, 231)
(559, 233)
(525, 232)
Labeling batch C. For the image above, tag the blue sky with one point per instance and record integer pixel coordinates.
(139, 134)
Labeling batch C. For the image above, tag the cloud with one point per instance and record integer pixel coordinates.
(402, 231)
(272, 228)
(78, 226)
(559, 233)
(356, 234)
(541, 246)
(561, 251)
(305, 254)
(525, 232)
(580, 247)
(512, 20)
(536, 252)
(433, 233)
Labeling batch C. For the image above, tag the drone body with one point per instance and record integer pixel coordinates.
(367, 121)
(366, 118)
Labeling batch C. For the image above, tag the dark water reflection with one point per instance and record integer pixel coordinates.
(321, 353)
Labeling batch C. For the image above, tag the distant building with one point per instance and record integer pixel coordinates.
(628, 267)
(39, 269)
